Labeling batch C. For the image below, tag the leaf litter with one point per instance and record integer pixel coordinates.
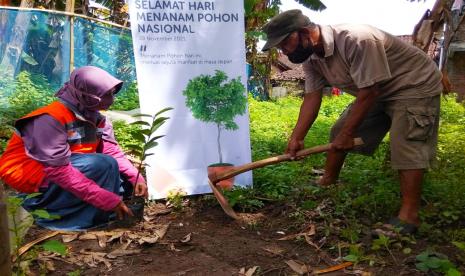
(146, 233)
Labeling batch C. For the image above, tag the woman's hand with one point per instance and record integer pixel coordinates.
(121, 209)
(141, 190)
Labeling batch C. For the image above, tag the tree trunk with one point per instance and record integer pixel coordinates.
(70, 8)
(254, 23)
(5, 264)
(429, 24)
(218, 140)
(118, 14)
(14, 49)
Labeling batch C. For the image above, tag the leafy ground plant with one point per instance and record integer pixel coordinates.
(18, 228)
(243, 198)
(431, 261)
(175, 199)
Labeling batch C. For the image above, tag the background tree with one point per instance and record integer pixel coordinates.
(213, 99)
(446, 24)
(5, 264)
(257, 13)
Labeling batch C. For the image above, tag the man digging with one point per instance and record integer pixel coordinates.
(397, 89)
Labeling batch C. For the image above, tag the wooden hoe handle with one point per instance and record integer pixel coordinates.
(273, 160)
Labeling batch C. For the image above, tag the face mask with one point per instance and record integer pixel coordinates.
(96, 103)
(107, 101)
(300, 54)
(92, 102)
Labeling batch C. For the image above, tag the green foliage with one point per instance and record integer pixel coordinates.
(432, 261)
(19, 228)
(55, 247)
(77, 272)
(356, 253)
(381, 242)
(351, 233)
(127, 99)
(145, 139)
(369, 191)
(371, 188)
(124, 134)
(31, 92)
(243, 198)
(175, 198)
(459, 245)
(315, 5)
(213, 99)
(18, 97)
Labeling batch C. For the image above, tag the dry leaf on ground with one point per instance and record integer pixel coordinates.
(298, 267)
(102, 240)
(122, 252)
(186, 238)
(69, 238)
(310, 242)
(273, 249)
(150, 240)
(103, 260)
(173, 248)
(116, 235)
(249, 272)
(125, 246)
(334, 268)
(161, 231)
(309, 231)
(87, 236)
(49, 265)
(90, 258)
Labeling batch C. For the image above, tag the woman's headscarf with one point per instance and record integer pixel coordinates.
(85, 89)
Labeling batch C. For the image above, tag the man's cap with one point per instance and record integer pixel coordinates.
(280, 26)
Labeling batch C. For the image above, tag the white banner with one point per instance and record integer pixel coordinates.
(174, 42)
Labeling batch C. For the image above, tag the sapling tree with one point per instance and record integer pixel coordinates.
(145, 138)
(214, 99)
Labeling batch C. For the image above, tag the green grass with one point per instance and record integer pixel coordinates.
(370, 188)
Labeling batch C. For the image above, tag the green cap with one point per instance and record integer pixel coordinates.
(280, 26)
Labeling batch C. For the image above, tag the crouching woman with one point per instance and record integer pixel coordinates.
(67, 152)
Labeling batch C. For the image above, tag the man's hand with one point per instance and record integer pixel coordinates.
(121, 209)
(343, 141)
(293, 146)
(141, 190)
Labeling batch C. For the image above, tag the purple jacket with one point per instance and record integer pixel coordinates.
(54, 153)
(89, 90)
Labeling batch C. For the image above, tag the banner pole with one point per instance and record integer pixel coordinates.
(70, 8)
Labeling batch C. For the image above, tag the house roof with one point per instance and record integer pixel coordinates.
(291, 72)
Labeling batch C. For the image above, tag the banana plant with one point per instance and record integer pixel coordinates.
(146, 139)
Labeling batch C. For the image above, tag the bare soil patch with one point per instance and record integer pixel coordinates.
(201, 240)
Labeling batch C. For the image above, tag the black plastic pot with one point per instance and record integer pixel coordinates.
(136, 204)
